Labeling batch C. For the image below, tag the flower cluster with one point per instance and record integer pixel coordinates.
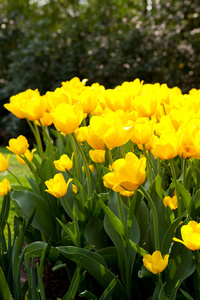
(134, 139)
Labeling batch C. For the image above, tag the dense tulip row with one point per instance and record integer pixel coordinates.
(135, 138)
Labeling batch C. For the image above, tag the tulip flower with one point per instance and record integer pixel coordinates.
(28, 104)
(165, 147)
(4, 162)
(155, 262)
(108, 131)
(64, 163)
(18, 145)
(97, 156)
(67, 117)
(190, 234)
(28, 154)
(127, 175)
(4, 187)
(143, 130)
(171, 202)
(57, 186)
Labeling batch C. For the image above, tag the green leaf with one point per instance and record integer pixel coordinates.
(43, 219)
(4, 288)
(88, 295)
(116, 223)
(95, 233)
(68, 231)
(181, 265)
(109, 290)
(74, 283)
(187, 296)
(96, 266)
(185, 196)
(138, 249)
(170, 233)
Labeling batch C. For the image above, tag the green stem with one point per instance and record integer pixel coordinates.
(39, 141)
(77, 167)
(184, 171)
(109, 156)
(148, 165)
(87, 170)
(69, 208)
(155, 216)
(35, 133)
(171, 162)
(120, 208)
(29, 164)
(46, 133)
(15, 177)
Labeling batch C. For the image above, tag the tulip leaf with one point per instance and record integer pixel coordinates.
(95, 233)
(43, 220)
(109, 290)
(94, 264)
(116, 223)
(185, 196)
(181, 265)
(74, 283)
(5, 293)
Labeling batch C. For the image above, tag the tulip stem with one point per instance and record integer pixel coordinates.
(184, 172)
(76, 160)
(171, 162)
(148, 165)
(155, 216)
(109, 156)
(120, 208)
(45, 130)
(15, 177)
(69, 208)
(87, 170)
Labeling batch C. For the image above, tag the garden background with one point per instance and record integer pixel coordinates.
(111, 41)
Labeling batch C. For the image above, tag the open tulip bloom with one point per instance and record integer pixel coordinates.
(114, 177)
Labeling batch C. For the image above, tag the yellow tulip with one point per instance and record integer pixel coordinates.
(190, 234)
(64, 163)
(108, 131)
(143, 130)
(28, 104)
(97, 155)
(57, 186)
(155, 262)
(4, 162)
(127, 175)
(171, 202)
(117, 99)
(46, 120)
(67, 117)
(18, 145)
(166, 147)
(79, 135)
(28, 154)
(4, 187)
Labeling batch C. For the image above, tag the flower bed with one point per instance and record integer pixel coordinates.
(114, 192)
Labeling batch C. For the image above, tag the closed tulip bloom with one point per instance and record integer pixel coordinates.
(67, 117)
(108, 131)
(28, 154)
(64, 163)
(190, 234)
(127, 175)
(148, 103)
(4, 162)
(117, 99)
(155, 262)
(18, 145)
(4, 187)
(166, 147)
(143, 130)
(97, 156)
(28, 104)
(46, 120)
(171, 202)
(57, 186)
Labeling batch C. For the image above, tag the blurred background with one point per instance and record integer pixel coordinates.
(45, 42)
